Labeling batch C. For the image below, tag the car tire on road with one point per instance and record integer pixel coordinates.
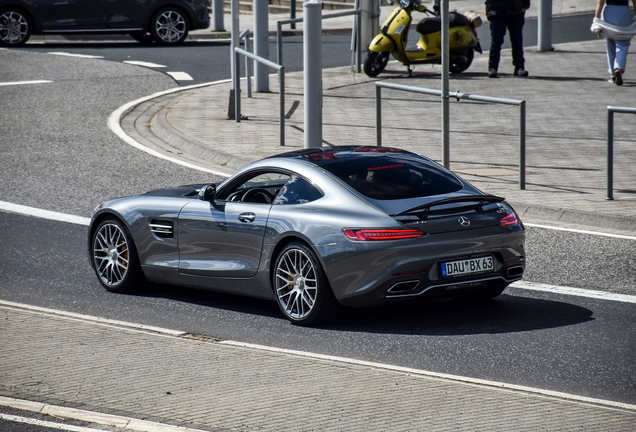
(169, 26)
(302, 291)
(15, 27)
(114, 257)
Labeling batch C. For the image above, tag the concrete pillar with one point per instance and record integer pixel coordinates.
(261, 44)
(312, 66)
(544, 41)
(369, 22)
(217, 15)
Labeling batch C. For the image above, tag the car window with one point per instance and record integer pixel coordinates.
(297, 191)
(393, 176)
(260, 187)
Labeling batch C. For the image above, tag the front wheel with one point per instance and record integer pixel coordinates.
(169, 26)
(302, 291)
(461, 60)
(114, 257)
(15, 27)
(375, 63)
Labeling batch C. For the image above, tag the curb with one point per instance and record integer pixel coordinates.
(127, 423)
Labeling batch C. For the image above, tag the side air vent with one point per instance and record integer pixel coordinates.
(162, 229)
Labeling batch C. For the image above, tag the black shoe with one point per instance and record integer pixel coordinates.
(521, 72)
(618, 77)
(492, 73)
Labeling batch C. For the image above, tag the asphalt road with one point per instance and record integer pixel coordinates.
(562, 343)
(58, 154)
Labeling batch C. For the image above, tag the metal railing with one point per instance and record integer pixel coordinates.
(610, 145)
(356, 12)
(522, 115)
(281, 88)
(245, 34)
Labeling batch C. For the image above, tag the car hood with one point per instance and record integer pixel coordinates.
(185, 191)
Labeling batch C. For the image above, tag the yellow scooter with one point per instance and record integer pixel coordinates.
(394, 32)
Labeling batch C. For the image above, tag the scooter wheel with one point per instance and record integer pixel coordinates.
(375, 63)
(461, 61)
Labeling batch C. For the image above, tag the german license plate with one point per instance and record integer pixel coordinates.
(468, 266)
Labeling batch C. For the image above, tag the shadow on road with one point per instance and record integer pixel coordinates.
(504, 314)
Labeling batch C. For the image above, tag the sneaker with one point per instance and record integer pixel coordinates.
(618, 77)
(612, 80)
(521, 72)
(492, 73)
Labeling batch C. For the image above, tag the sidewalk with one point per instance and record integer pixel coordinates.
(147, 378)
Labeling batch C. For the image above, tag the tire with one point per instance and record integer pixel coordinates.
(169, 27)
(15, 27)
(487, 293)
(461, 61)
(302, 291)
(375, 63)
(114, 257)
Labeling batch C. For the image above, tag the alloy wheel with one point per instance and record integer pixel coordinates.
(14, 28)
(170, 26)
(111, 254)
(296, 283)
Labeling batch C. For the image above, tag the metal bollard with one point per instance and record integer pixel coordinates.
(312, 66)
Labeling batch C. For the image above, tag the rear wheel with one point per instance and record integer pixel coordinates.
(169, 26)
(375, 63)
(460, 61)
(114, 257)
(15, 27)
(301, 287)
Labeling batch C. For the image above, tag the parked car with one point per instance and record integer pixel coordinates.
(316, 229)
(166, 22)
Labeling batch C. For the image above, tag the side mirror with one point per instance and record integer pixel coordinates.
(208, 193)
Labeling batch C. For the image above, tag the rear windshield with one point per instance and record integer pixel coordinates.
(390, 176)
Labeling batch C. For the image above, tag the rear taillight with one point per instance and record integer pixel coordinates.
(511, 219)
(382, 234)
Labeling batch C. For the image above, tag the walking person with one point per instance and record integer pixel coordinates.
(619, 14)
(510, 15)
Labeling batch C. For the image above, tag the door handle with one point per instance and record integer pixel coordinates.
(247, 217)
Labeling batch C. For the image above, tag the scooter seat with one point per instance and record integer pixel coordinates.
(434, 24)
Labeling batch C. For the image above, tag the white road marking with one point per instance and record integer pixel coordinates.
(579, 292)
(115, 118)
(419, 372)
(142, 63)
(180, 76)
(76, 55)
(43, 214)
(47, 424)
(93, 319)
(126, 423)
(578, 231)
(25, 82)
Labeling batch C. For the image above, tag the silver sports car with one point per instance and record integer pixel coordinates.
(316, 230)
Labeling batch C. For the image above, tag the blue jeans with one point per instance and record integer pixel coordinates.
(498, 26)
(617, 49)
